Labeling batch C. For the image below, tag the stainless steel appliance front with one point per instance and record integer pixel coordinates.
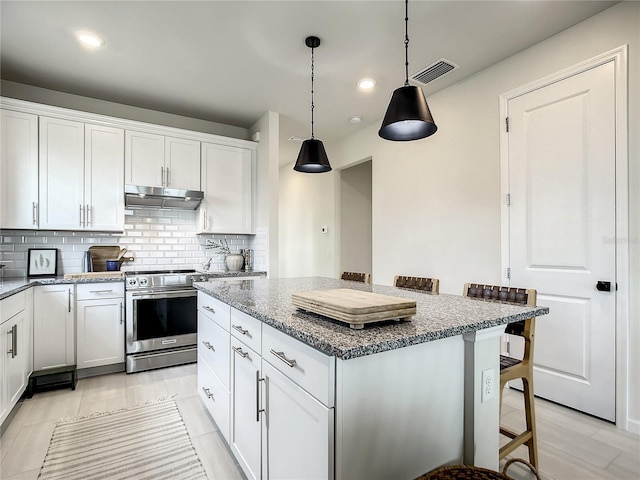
(161, 321)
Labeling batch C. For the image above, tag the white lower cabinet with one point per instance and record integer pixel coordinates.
(280, 409)
(100, 324)
(15, 345)
(213, 359)
(297, 432)
(245, 432)
(54, 336)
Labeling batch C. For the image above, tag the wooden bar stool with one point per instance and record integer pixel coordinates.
(356, 277)
(513, 368)
(417, 283)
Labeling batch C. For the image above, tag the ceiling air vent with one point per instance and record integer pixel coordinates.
(433, 71)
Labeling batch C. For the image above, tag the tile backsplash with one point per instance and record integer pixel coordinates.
(157, 239)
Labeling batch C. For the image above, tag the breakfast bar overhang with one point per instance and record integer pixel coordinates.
(407, 395)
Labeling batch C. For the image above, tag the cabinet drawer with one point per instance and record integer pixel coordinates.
(213, 347)
(97, 291)
(13, 305)
(306, 366)
(214, 309)
(215, 396)
(247, 329)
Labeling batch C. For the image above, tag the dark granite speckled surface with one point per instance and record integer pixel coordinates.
(438, 315)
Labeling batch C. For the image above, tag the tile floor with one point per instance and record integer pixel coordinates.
(571, 446)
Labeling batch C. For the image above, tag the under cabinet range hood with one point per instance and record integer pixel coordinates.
(161, 197)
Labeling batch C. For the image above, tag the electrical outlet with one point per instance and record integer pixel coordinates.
(488, 385)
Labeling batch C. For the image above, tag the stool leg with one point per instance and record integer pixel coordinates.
(529, 408)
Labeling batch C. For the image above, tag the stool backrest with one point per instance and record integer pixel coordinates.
(517, 296)
(417, 283)
(356, 277)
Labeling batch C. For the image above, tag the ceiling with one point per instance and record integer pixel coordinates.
(232, 61)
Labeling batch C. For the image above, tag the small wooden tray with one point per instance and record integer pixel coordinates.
(94, 275)
(354, 307)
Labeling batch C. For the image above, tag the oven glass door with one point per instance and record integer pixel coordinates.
(161, 320)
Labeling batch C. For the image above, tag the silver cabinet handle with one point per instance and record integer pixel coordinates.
(69, 299)
(101, 291)
(280, 355)
(208, 309)
(208, 393)
(168, 178)
(239, 351)
(258, 409)
(81, 215)
(240, 329)
(35, 213)
(121, 313)
(88, 216)
(208, 345)
(162, 176)
(14, 341)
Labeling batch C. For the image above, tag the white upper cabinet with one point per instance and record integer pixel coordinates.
(227, 182)
(157, 161)
(182, 163)
(81, 170)
(61, 174)
(18, 170)
(103, 178)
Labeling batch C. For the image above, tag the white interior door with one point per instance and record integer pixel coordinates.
(561, 162)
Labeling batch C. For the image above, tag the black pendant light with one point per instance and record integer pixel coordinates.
(408, 116)
(312, 157)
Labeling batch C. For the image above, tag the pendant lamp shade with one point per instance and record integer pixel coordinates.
(312, 158)
(408, 116)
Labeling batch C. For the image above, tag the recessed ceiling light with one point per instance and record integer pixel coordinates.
(295, 138)
(356, 119)
(90, 39)
(366, 84)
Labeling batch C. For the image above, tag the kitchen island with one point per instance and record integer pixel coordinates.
(392, 400)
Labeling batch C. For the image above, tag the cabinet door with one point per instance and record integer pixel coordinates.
(53, 327)
(18, 170)
(61, 174)
(227, 182)
(297, 430)
(144, 159)
(245, 419)
(100, 338)
(104, 178)
(15, 353)
(182, 163)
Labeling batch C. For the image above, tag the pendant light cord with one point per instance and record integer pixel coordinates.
(406, 43)
(312, 104)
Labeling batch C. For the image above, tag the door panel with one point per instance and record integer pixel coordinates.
(562, 221)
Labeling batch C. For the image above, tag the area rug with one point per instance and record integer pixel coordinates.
(142, 442)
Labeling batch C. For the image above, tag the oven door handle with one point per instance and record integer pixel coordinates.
(164, 294)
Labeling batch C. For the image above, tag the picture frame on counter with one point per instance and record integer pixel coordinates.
(42, 262)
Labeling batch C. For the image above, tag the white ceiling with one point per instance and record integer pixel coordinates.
(232, 61)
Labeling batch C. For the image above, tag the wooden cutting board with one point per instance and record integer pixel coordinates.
(100, 254)
(354, 307)
(94, 275)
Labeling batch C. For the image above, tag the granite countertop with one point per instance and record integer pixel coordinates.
(438, 315)
(11, 286)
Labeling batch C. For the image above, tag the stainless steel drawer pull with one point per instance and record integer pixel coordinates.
(280, 355)
(208, 308)
(240, 329)
(258, 409)
(35, 213)
(100, 291)
(239, 351)
(208, 345)
(208, 393)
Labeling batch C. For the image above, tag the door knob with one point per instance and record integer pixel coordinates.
(603, 286)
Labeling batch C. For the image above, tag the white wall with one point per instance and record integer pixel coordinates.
(436, 201)
(86, 104)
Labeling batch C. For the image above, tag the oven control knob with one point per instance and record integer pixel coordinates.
(144, 282)
(132, 282)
